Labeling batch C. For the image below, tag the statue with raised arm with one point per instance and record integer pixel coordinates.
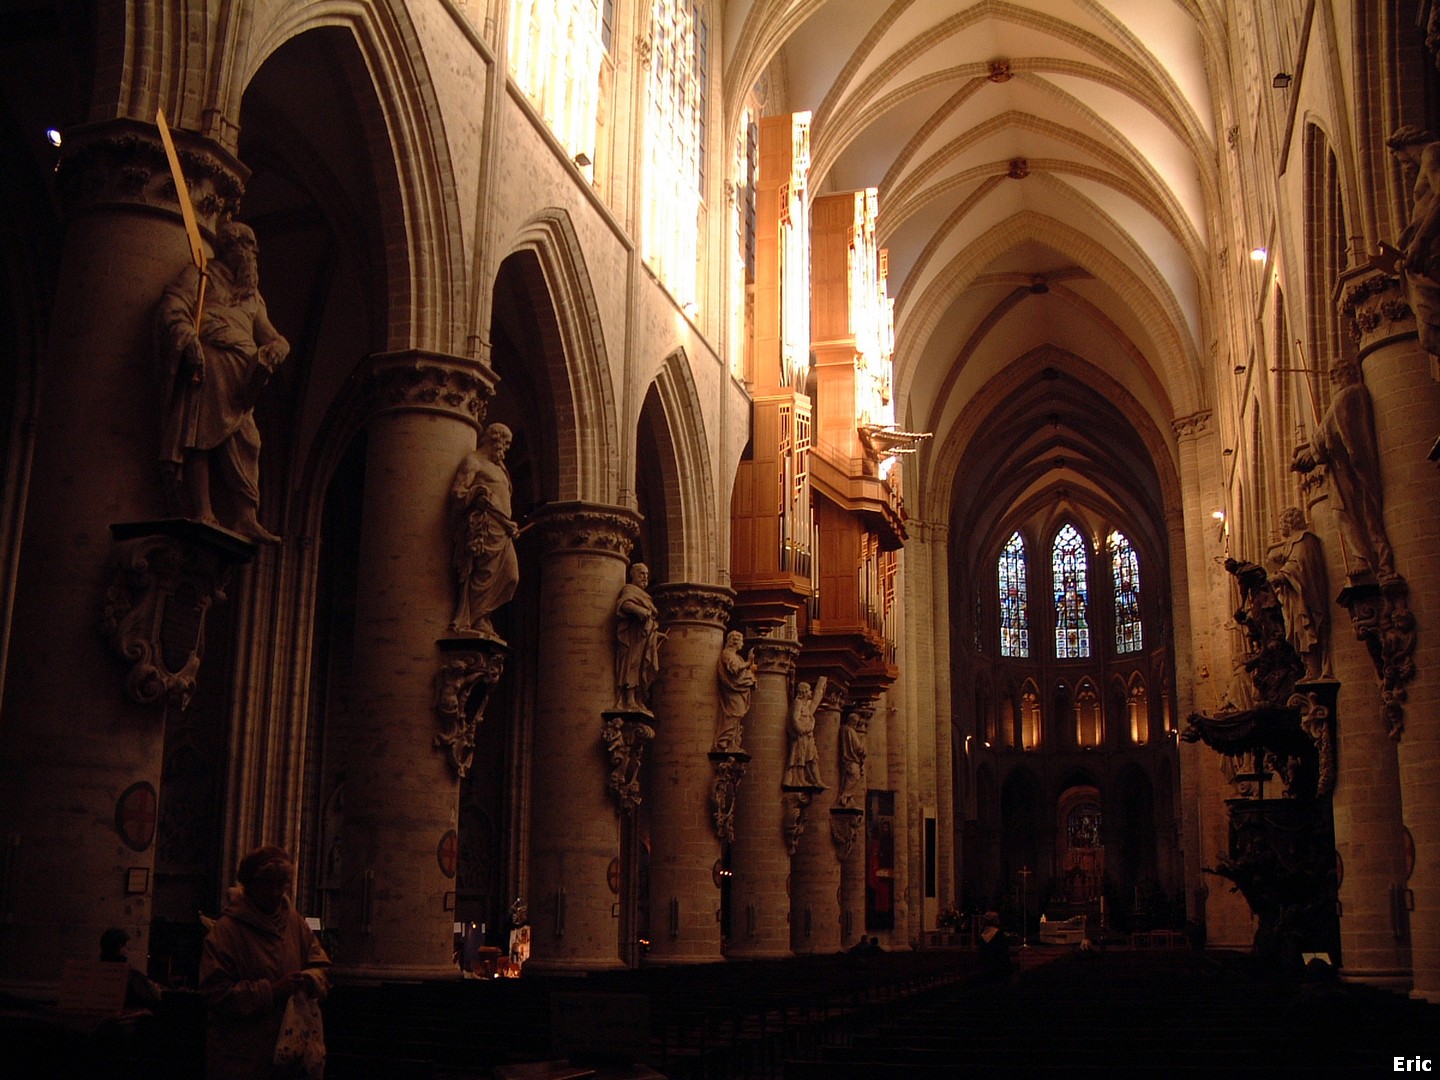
(802, 770)
(1296, 566)
(212, 375)
(1344, 442)
(735, 676)
(637, 642)
(483, 534)
(1418, 259)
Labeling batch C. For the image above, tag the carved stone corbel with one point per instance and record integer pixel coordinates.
(1315, 701)
(729, 771)
(845, 824)
(625, 736)
(164, 575)
(1383, 620)
(468, 673)
(795, 803)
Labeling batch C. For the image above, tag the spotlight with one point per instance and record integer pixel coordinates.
(1281, 80)
(53, 136)
(1218, 515)
(1258, 254)
(582, 159)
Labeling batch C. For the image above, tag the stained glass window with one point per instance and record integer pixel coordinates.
(1068, 566)
(1125, 568)
(1014, 611)
(676, 100)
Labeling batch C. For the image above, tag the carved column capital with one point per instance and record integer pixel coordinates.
(592, 528)
(773, 656)
(1373, 309)
(1197, 423)
(417, 380)
(123, 163)
(685, 603)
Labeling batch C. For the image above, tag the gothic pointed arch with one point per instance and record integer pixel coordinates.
(427, 276)
(671, 442)
(545, 272)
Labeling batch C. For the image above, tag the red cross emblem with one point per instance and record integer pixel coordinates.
(447, 854)
(136, 815)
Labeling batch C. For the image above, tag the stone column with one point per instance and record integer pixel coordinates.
(1366, 799)
(760, 853)
(814, 868)
(574, 824)
(401, 789)
(81, 756)
(684, 850)
(1205, 819)
(1402, 627)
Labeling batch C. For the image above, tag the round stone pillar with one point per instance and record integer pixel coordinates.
(760, 852)
(684, 897)
(401, 788)
(1366, 801)
(574, 823)
(79, 752)
(814, 866)
(1403, 634)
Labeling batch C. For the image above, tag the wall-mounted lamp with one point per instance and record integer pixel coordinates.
(1258, 254)
(1281, 80)
(53, 136)
(1227, 452)
(1239, 369)
(582, 159)
(1218, 515)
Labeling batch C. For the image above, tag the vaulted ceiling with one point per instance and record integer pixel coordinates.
(1046, 172)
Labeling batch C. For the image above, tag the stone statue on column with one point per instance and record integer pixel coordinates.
(217, 350)
(1418, 258)
(1296, 566)
(852, 759)
(735, 676)
(637, 642)
(483, 534)
(1344, 442)
(802, 769)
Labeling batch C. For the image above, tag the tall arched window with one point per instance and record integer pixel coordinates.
(1089, 730)
(1139, 708)
(1125, 570)
(1068, 567)
(676, 99)
(557, 50)
(1014, 611)
(1029, 717)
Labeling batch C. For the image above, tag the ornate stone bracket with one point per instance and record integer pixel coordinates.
(1383, 620)
(795, 803)
(164, 575)
(625, 736)
(729, 771)
(845, 822)
(1315, 702)
(468, 673)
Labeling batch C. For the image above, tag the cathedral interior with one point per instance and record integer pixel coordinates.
(1025, 414)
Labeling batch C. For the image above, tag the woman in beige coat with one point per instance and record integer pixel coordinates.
(258, 954)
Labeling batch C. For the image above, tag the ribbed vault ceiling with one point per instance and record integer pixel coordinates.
(1044, 171)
